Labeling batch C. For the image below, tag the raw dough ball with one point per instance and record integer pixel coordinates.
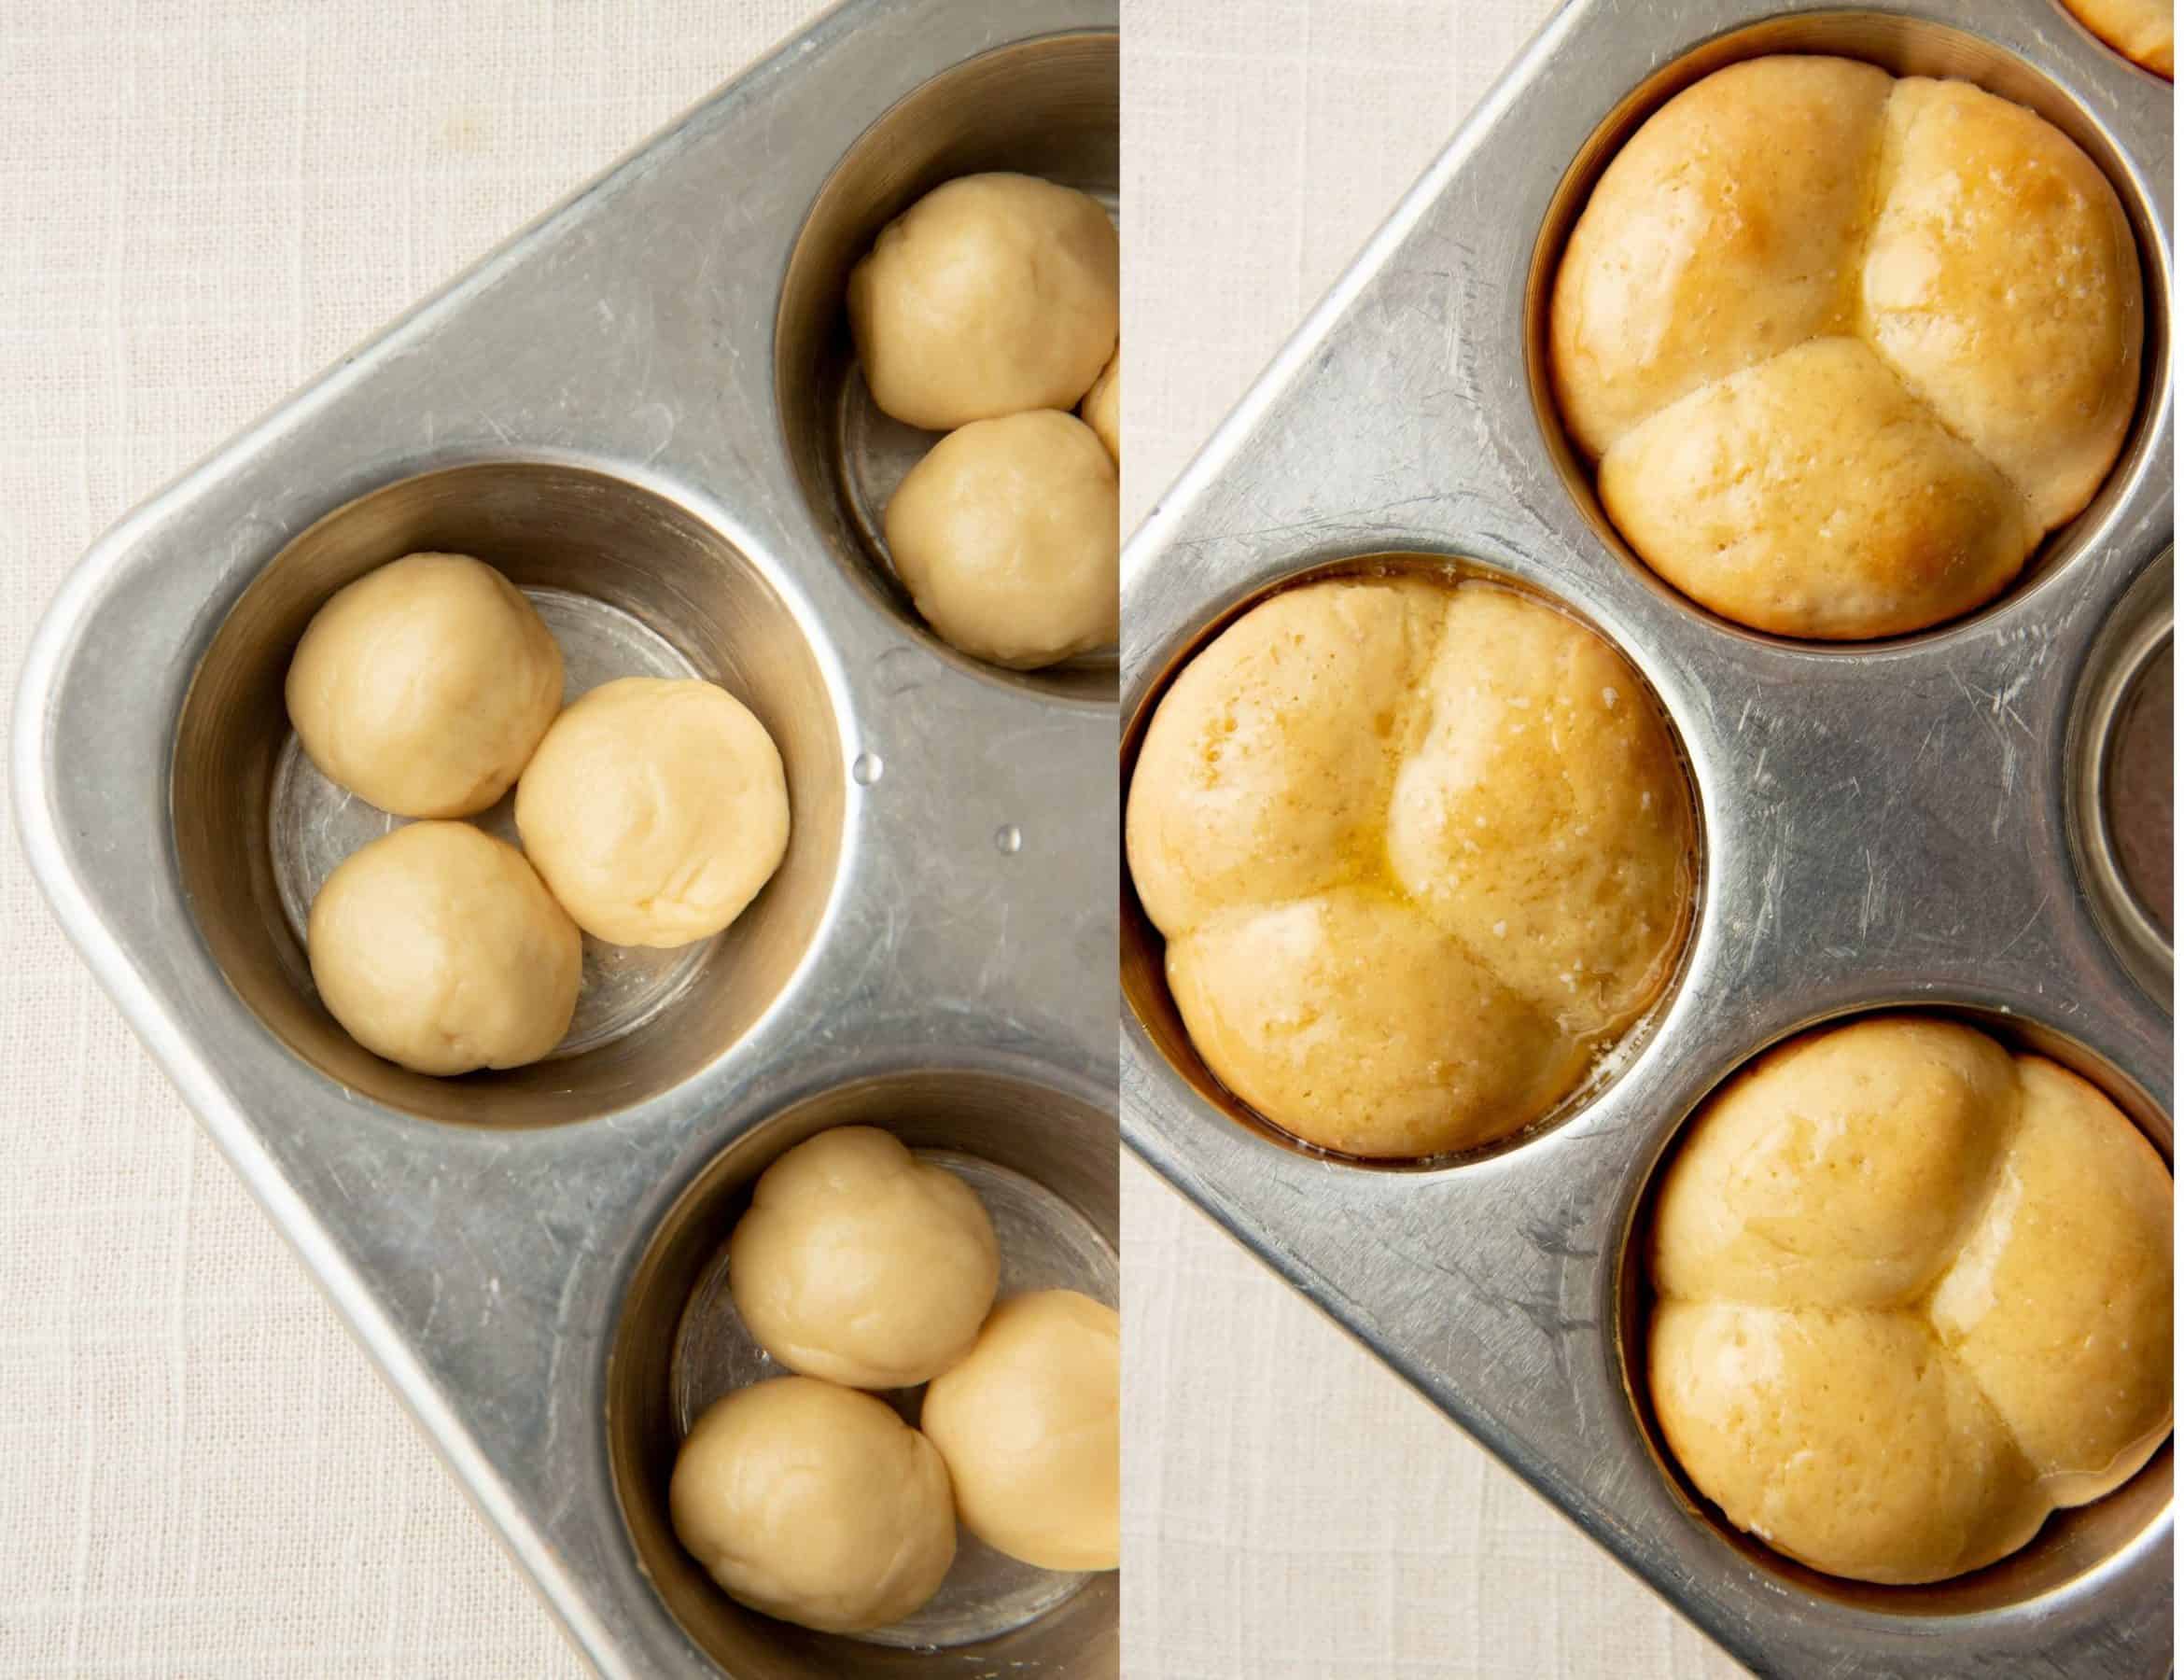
(2143, 31)
(1030, 1425)
(859, 1264)
(437, 947)
(1008, 535)
(1913, 1295)
(655, 810)
(814, 1504)
(424, 686)
(1421, 852)
(990, 295)
(1844, 347)
(1102, 406)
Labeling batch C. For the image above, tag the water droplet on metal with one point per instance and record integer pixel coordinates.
(867, 769)
(1008, 838)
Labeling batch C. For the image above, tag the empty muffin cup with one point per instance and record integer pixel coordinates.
(2120, 791)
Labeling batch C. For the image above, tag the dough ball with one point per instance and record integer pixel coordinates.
(991, 294)
(1913, 1295)
(814, 1504)
(1845, 348)
(1008, 536)
(1101, 409)
(655, 810)
(437, 947)
(1030, 1425)
(2143, 31)
(424, 686)
(858, 1263)
(1421, 852)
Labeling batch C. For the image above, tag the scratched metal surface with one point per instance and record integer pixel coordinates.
(631, 331)
(1884, 825)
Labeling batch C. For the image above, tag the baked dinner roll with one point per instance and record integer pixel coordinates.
(814, 1504)
(1912, 1295)
(2143, 31)
(990, 295)
(858, 1263)
(1844, 348)
(1008, 534)
(437, 947)
(655, 809)
(1030, 1425)
(1421, 852)
(424, 686)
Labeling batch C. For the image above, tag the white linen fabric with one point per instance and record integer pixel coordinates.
(1291, 1511)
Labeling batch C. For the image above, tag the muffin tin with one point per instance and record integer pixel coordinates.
(1921, 822)
(641, 408)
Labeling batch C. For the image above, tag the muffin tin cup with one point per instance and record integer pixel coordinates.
(598, 407)
(1041, 1161)
(1884, 825)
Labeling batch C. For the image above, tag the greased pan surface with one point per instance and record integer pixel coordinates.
(1900, 823)
(634, 402)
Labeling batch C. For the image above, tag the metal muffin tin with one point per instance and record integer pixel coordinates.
(1913, 822)
(640, 406)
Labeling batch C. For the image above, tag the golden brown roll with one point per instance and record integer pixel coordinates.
(1420, 851)
(2143, 31)
(1844, 348)
(1913, 1295)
